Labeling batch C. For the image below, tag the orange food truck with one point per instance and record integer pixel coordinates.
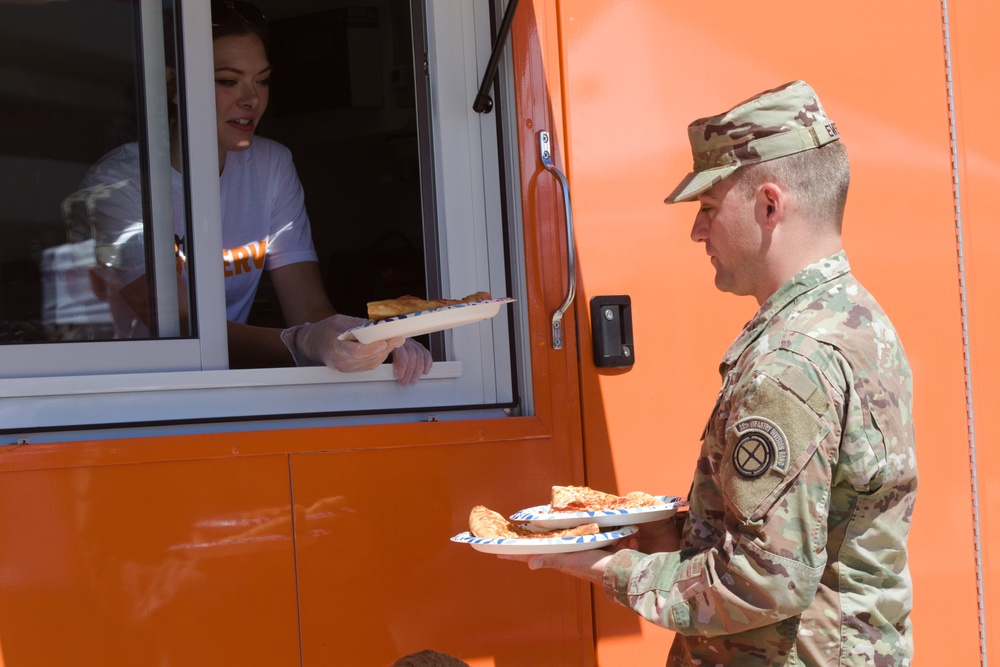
(161, 506)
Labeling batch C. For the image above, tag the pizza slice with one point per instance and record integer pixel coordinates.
(586, 499)
(405, 305)
(579, 499)
(637, 499)
(485, 523)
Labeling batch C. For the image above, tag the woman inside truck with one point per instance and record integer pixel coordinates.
(265, 226)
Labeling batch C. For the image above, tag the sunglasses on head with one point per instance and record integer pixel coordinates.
(223, 11)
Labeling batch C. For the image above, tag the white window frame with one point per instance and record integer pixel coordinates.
(163, 390)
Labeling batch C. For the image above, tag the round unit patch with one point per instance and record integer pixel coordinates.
(761, 446)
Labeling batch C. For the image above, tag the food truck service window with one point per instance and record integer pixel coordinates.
(113, 307)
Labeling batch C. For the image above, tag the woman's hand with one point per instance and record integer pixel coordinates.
(318, 343)
(410, 361)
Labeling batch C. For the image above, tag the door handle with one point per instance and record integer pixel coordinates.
(545, 150)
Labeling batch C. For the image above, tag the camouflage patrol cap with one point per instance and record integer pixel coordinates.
(779, 122)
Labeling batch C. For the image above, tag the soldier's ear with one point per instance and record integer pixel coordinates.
(770, 204)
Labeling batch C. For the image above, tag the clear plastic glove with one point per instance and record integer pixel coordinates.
(317, 344)
(411, 361)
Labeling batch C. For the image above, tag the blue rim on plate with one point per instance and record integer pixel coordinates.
(533, 545)
(542, 516)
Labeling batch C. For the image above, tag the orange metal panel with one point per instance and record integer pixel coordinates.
(89, 566)
(375, 562)
(974, 26)
(277, 441)
(173, 506)
(186, 563)
(635, 74)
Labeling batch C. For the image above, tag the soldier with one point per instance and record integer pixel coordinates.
(794, 548)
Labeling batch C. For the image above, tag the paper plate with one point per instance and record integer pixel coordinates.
(425, 321)
(542, 517)
(544, 545)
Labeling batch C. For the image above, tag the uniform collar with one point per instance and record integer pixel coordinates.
(818, 273)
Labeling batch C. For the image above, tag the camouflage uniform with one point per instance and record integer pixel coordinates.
(794, 549)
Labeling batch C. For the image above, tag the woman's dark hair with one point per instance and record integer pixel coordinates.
(238, 17)
(229, 18)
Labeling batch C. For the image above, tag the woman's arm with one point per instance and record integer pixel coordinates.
(303, 299)
(300, 292)
(314, 325)
(256, 347)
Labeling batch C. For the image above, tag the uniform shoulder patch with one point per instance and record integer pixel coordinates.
(771, 436)
(761, 445)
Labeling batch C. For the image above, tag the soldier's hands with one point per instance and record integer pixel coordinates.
(657, 536)
(587, 565)
(652, 537)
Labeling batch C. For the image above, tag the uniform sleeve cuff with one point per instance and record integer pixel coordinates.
(618, 573)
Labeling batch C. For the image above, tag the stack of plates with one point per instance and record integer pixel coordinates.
(617, 524)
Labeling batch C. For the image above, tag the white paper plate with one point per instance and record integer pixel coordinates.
(542, 517)
(544, 545)
(426, 321)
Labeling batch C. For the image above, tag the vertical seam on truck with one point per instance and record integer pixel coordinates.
(966, 354)
(295, 561)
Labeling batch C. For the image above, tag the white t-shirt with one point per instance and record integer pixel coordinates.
(264, 220)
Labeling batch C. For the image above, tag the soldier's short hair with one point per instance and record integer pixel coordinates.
(818, 178)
